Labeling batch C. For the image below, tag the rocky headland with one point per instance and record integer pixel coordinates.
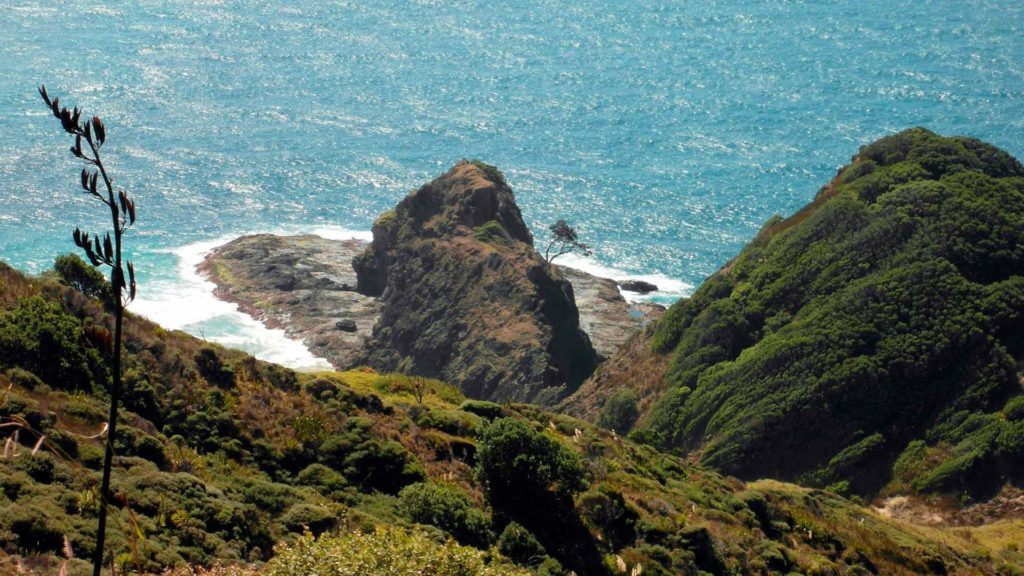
(451, 287)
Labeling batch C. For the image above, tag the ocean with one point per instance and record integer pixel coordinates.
(665, 132)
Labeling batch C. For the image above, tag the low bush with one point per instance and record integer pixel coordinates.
(390, 551)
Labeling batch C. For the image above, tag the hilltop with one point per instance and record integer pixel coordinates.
(870, 343)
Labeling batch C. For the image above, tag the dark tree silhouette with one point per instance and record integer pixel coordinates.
(563, 240)
(102, 252)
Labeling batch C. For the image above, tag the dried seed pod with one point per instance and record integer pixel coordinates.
(101, 132)
(65, 121)
(131, 279)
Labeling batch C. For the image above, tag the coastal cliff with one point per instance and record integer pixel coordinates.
(305, 285)
(466, 297)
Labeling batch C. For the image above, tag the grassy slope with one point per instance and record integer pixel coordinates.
(234, 455)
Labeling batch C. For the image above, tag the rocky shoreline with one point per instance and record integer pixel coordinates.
(305, 285)
(302, 284)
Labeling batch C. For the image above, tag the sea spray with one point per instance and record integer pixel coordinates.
(187, 302)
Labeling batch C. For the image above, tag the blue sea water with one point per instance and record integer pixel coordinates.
(666, 131)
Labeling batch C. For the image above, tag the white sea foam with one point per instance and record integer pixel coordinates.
(185, 301)
(669, 289)
(340, 233)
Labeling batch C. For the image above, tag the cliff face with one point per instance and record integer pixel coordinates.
(466, 298)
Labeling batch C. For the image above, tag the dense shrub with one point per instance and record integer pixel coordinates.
(607, 510)
(316, 519)
(517, 543)
(326, 480)
(521, 467)
(23, 378)
(619, 411)
(456, 422)
(42, 338)
(382, 465)
(449, 509)
(211, 367)
(482, 408)
(74, 272)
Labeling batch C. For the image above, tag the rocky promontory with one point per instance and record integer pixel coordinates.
(451, 287)
(467, 298)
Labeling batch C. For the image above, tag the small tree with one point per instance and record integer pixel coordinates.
(105, 252)
(76, 273)
(419, 387)
(563, 241)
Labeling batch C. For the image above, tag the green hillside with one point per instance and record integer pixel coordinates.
(225, 459)
(874, 338)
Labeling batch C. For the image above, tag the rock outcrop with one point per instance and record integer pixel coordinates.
(466, 297)
(303, 284)
(605, 315)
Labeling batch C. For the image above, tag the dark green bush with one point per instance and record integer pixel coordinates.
(382, 465)
(447, 508)
(326, 480)
(606, 510)
(323, 389)
(482, 408)
(272, 497)
(518, 544)
(40, 337)
(455, 422)
(23, 378)
(74, 272)
(619, 411)
(316, 519)
(522, 467)
(1014, 409)
(211, 368)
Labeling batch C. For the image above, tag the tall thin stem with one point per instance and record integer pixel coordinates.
(122, 215)
(115, 386)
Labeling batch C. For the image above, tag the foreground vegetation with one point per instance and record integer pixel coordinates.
(871, 343)
(223, 459)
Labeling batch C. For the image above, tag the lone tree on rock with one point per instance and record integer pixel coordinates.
(102, 252)
(563, 241)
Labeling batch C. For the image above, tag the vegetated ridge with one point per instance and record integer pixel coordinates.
(226, 459)
(872, 342)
